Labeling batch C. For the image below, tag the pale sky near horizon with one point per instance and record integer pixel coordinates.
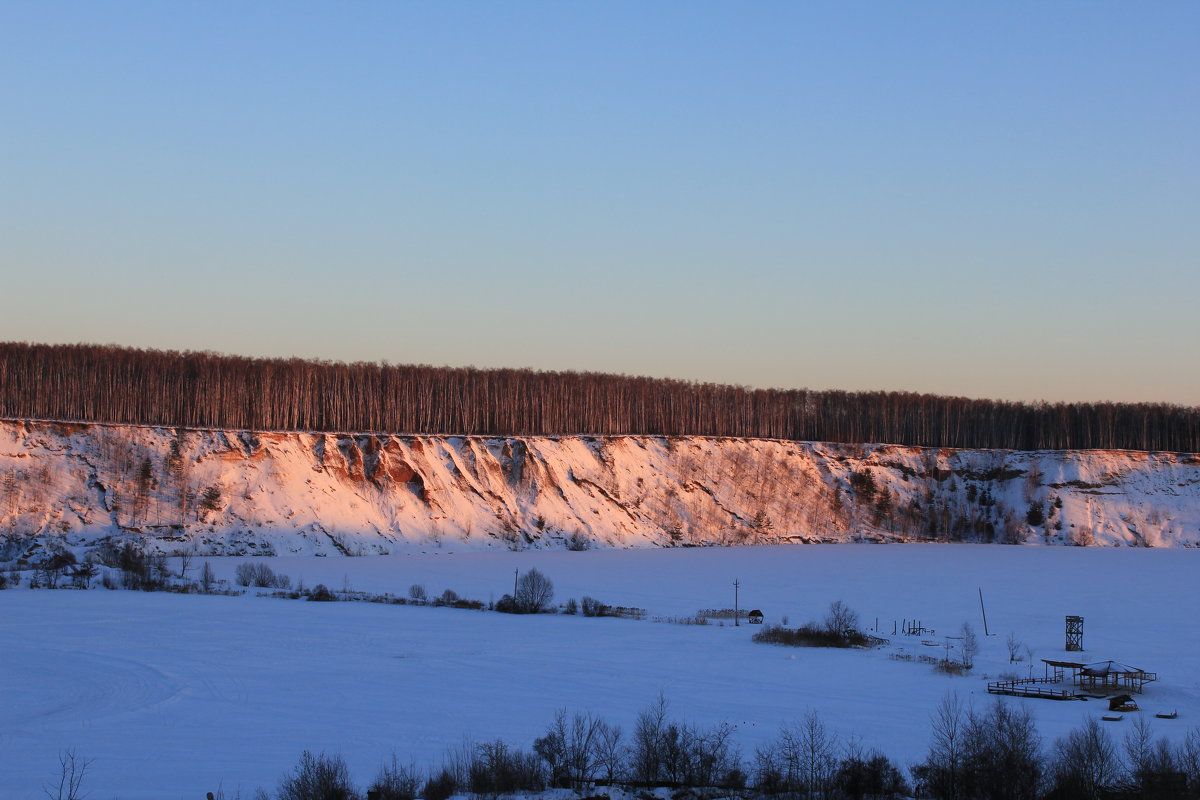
(983, 199)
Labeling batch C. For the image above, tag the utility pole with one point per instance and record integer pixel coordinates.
(516, 572)
(736, 585)
(984, 611)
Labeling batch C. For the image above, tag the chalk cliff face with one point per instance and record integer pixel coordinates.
(240, 492)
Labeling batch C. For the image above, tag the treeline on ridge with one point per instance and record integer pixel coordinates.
(99, 383)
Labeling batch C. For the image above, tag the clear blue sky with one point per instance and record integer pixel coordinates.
(985, 199)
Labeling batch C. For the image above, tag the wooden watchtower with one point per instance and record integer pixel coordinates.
(1074, 633)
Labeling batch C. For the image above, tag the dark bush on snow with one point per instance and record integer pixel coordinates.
(321, 594)
(396, 782)
(810, 636)
(873, 776)
(319, 777)
(248, 574)
(441, 786)
(591, 607)
(497, 769)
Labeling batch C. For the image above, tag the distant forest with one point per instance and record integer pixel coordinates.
(210, 390)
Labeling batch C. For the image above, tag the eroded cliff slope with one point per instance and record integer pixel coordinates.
(246, 492)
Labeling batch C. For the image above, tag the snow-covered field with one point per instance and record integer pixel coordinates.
(176, 695)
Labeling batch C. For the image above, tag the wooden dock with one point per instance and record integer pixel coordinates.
(1026, 687)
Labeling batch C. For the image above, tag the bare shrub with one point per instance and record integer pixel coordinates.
(801, 760)
(260, 575)
(591, 607)
(396, 781)
(496, 769)
(245, 573)
(318, 777)
(321, 594)
(1014, 648)
(441, 786)
(571, 749)
(871, 775)
(809, 636)
(970, 646)
(207, 578)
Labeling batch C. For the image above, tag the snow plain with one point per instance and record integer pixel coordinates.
(177, 695)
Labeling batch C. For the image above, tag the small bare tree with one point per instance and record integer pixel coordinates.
(207, 578)
(942, 770)
(610, 753)
(185, 561)
(1014, 648)
(807, 754)
(417, 593)
(534, 592)
(841, 618)
(970, 645)
(71, 771)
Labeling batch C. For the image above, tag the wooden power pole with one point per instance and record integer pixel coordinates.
(736, 585)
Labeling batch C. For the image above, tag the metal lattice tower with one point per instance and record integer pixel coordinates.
(1074, 633)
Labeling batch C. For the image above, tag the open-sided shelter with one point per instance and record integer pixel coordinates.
(1107, 676)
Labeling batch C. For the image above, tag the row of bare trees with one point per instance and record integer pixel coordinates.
(208, 390)
(993, 753)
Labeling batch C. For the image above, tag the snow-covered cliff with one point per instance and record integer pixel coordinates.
(240, 492)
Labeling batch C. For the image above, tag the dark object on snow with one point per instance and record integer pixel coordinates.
(1172, 715)
(321, 594)
(756, 617)
(1122, 702)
